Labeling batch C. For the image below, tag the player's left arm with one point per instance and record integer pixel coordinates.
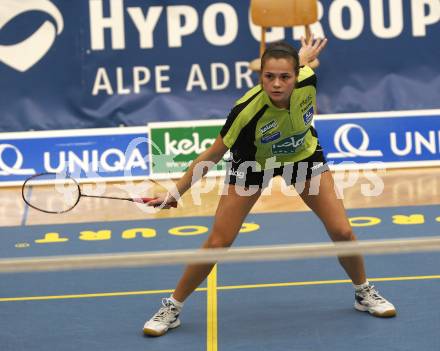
(310, 50)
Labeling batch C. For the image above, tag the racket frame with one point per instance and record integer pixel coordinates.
(67, 176)
(142, 200)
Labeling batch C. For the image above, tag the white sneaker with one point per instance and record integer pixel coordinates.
(369, 300)
(166, 318)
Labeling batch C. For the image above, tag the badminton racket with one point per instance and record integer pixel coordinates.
(60, 193)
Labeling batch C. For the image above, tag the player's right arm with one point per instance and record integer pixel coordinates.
(211, 156)
(201, 165)
(198, 168)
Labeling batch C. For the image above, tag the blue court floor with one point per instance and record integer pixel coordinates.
(304, 305)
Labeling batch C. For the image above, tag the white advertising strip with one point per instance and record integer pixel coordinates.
(102, 154)
(396, 139)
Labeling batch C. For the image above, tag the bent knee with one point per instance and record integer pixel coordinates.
(214, 242)
(345, 234)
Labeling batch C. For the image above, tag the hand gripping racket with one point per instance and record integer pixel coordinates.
(59, 193)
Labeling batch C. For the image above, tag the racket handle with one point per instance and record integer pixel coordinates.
(145, 200)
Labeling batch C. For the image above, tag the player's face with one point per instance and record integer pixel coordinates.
(278, 79)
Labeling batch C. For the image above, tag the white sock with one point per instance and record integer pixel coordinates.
(362, 286)
(176, 303)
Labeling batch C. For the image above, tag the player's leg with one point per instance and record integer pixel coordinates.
(325, 204)
(321, 198)
(231, 211)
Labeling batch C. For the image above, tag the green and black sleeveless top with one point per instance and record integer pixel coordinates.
(256, 130)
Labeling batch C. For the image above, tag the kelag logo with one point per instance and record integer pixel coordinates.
(289, 145)
(22, 56)
(176, 145)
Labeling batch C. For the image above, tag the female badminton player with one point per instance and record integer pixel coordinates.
(269, 134)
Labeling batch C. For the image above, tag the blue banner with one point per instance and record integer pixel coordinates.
(92, 155)
(98, 63)
(399, 139)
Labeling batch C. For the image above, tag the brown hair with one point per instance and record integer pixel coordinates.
(281, 49)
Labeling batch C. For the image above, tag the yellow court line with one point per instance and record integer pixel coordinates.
(325, 282)
(231, 287)
(391, 279)
(211, 335)
(82, 296)
(85, 296)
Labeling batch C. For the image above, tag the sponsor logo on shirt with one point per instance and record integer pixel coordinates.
(268, 138)
(289, 145)
(272, 124)
(235, 173)
(308, 116)
(305, 103)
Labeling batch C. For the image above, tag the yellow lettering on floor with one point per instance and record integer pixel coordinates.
(249, 227)
(88, 235)
(411, 219)
(188, 230)
(144, 232)
(364, 221)
(51, 238)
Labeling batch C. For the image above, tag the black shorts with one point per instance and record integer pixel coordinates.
(244, 174)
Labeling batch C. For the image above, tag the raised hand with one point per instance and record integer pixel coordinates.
(310, 50)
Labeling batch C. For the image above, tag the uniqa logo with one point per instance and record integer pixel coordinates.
(15, 169)
(24, 55)
(345, 147)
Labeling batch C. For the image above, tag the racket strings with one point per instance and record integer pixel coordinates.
(52, 194)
